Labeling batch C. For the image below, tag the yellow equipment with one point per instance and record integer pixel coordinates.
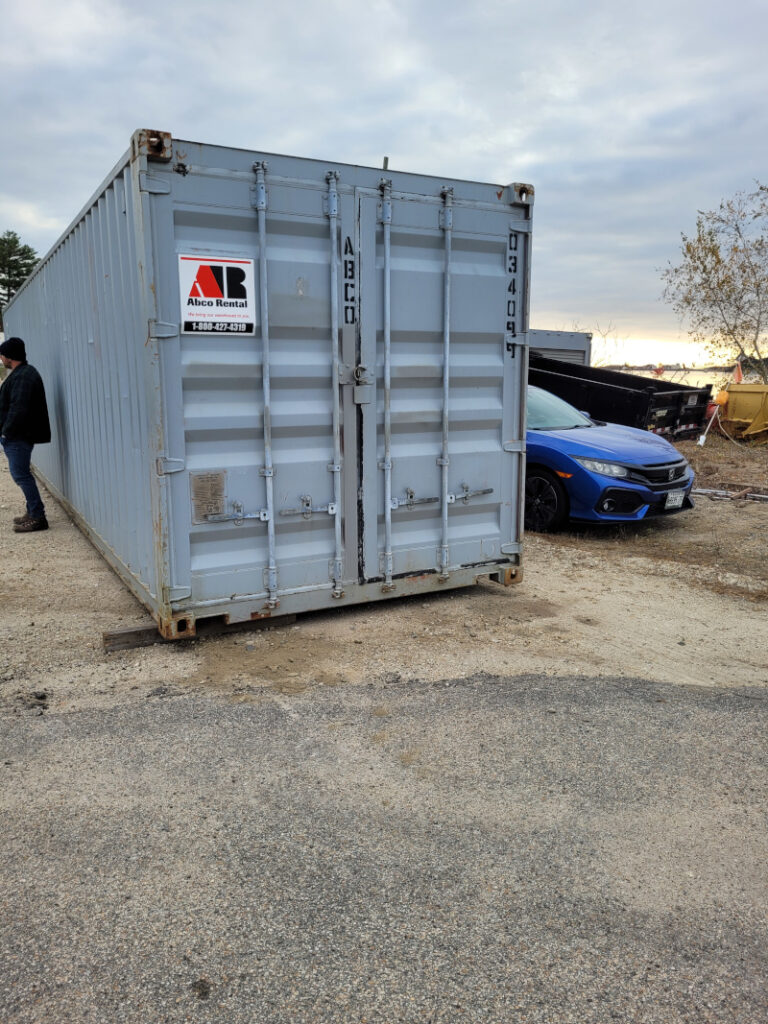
(745, 413)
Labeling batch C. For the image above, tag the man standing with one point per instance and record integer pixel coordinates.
(23, 424)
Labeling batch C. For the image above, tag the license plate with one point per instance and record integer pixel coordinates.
(674, 499)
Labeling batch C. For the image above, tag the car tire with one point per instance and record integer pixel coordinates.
(546, 503)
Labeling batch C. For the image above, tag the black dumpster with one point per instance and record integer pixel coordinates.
(675, 410)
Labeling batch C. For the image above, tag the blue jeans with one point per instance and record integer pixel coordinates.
(19, 454)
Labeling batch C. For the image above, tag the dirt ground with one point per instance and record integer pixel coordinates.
(680, 600)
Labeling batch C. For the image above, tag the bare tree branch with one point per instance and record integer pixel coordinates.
(720, 286)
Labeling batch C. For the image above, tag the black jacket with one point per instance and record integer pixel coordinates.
(23, 409)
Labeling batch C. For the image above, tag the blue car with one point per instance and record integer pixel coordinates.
(586, 470)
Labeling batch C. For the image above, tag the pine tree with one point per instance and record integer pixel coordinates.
(16, 262)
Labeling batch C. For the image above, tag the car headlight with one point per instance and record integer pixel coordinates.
(614, 469)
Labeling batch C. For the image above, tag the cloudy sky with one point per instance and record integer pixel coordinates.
(627, 117)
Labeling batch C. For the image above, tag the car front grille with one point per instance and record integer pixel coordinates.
(659, 477)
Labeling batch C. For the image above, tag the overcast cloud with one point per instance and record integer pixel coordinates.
(626, 117)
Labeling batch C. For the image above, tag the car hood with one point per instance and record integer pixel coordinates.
(608, 441)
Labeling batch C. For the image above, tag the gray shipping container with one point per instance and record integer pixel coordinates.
(566, 346)
(280, 384)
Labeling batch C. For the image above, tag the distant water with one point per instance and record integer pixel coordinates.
(643, 351)
(638, 356)
(696, 378)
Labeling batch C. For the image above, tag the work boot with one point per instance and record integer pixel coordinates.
(18, 520)
(30, 525)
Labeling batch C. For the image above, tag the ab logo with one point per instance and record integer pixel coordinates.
(217, 282)
(217, 295)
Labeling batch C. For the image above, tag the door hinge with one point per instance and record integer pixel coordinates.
(154, 185)
(514, 446)
(166, 466)
(158, 329)
(171, 594)
(513, 342)
(511, 549)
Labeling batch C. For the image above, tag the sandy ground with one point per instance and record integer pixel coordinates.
(682, 600)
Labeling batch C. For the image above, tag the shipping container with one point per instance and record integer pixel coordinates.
(280, 384)
(676, 411)
(565, 346)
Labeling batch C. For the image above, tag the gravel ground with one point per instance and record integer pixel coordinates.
(489, 849)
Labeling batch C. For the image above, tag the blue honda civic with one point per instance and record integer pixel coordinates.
(590, 471)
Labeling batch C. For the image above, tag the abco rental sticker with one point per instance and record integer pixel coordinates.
(217, 295)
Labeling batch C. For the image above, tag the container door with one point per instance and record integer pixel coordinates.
(263, 408)
(442, 450)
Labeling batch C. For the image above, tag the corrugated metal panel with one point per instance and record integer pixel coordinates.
(476, 393)
(223, 405)
(279, 383)
(84, 318)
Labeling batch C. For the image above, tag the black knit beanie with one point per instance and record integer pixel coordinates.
(13, 348)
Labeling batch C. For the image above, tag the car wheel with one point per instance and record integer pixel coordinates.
(546, 503)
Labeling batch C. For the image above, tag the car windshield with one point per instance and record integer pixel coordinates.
(548, 412)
